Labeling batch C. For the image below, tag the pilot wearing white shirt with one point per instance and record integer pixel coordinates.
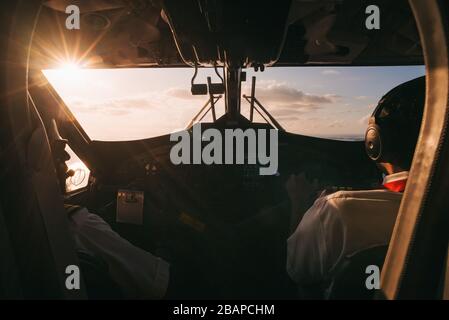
(136, 273)
(345, 222)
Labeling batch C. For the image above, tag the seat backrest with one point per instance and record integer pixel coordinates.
(31, 200)
(349, 282)
(34, 212)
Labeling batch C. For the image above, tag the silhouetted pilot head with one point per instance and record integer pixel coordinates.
(394, 126)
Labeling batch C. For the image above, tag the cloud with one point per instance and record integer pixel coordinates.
(130, 103)
(287, 118)
(277, 113)
(179, 93)
(116, 107)
(148, 102)
(333, 97)
(269, 92)
(364, 120)
(361, 97)
(283, 95)
(336, 124)
(280, 98)
(118, 112)
(182, 93)
(330, 72)
(285, 102)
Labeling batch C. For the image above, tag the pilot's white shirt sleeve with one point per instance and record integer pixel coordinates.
(337, 225)
(137, 272)
(316, 245)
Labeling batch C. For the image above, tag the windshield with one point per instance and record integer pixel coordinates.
(130, 104)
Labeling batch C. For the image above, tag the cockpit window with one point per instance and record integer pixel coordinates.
(327, 102)
(130, 104)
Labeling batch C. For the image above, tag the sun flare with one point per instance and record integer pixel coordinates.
(70, 71)
(70, 66)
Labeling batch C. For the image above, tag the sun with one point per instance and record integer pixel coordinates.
(70, 67)
(70, 71)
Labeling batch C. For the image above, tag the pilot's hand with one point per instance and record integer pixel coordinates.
(61, 156)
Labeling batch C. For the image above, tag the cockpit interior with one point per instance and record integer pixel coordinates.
(223, 226)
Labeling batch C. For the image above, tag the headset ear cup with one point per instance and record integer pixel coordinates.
(373, 142)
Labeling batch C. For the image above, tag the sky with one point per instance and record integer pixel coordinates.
(129, 104)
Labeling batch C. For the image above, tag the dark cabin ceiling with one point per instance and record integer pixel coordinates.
(138, 33)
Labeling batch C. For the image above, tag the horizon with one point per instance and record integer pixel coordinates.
(131, 104)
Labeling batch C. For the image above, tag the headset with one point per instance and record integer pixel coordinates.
(395, 121)
(374, 144)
